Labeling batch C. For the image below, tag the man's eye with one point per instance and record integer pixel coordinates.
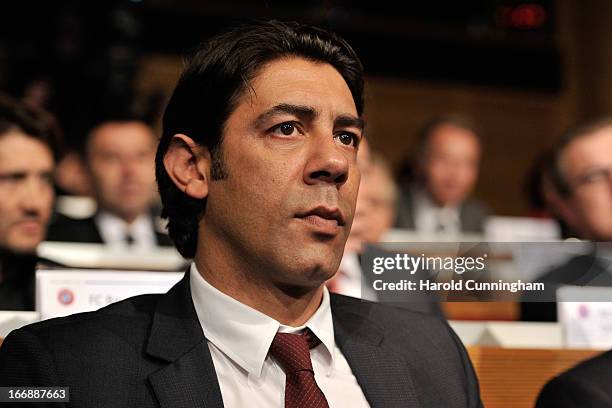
(287, 128)
(348, 139)
(47, 179)
(595, 176)
(12, 177)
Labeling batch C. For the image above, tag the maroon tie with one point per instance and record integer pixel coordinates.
(292, 351)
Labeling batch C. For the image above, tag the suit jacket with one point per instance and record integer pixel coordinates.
(17, 280)
(66, 229)
(150, 351)
(586, 385)
(472, 213)
(581, 270)
(417, 301)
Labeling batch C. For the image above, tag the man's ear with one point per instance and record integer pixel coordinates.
(188, 165)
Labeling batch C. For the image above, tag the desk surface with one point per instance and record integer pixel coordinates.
(497, 311)
(513, 378)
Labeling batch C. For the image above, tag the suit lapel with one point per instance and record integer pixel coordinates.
(383, 374)
(93, 232)
(189, 380)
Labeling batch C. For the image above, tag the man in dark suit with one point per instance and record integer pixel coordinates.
(437, 199)
(28, 153)
(582, 176)
(259, 181)
(586, 385)
(87, 230)
(580, 270)
(118, 153)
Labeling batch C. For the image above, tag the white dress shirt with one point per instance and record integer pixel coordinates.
(430, 218)
(350, 281)
(114, 231)
(239, 338)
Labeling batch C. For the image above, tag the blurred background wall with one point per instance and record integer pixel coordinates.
(522, 70)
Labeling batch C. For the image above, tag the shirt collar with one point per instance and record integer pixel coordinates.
(244, 334)
(113, 229)
(423, 199)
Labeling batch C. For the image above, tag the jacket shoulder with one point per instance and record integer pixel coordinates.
(474, 214)
(67, 229)
(396, 321)
(425, 342)
(572, 270)
(125, 321)
(587, 384)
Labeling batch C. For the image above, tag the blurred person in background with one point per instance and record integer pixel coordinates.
(543, 197)
(376, 203)
(375, 214)
(447, 166)
(582, 175)
(119, 158)
(28, 153)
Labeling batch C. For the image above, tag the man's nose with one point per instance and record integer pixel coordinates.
(31, 195)
(129, 168)
(327, 163)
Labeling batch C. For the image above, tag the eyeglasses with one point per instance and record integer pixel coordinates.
(594, 177)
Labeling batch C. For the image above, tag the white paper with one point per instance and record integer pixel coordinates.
(585, 324)
(68, 291)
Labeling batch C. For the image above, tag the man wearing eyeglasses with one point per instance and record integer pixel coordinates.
(582, 174)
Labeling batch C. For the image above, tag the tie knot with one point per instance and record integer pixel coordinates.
(129, 239)
(292, 351)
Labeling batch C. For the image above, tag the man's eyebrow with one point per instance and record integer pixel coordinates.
(307, 113)
(349, 121)
(13, 175)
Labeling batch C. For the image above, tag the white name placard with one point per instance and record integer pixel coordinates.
(10, 321)
(67, 291)
(585, 324)
(516, 335)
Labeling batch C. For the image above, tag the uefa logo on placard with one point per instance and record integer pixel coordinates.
(65, 297)
(583, 311)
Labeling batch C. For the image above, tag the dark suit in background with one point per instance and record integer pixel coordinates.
(472, 213)
(150, 351)
(416, 301)
(17, 280)
(588, 385)
(582, 270)
(85, 230)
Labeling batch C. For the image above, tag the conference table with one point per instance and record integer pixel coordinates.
(513, 378)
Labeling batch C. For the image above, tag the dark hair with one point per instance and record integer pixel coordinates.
(568, 137)
(432, 124)
(538, 174)
(35, 123)
(213, 80)
(101, 111)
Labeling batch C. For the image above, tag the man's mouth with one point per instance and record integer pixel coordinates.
(325, 220)
(29, 226)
